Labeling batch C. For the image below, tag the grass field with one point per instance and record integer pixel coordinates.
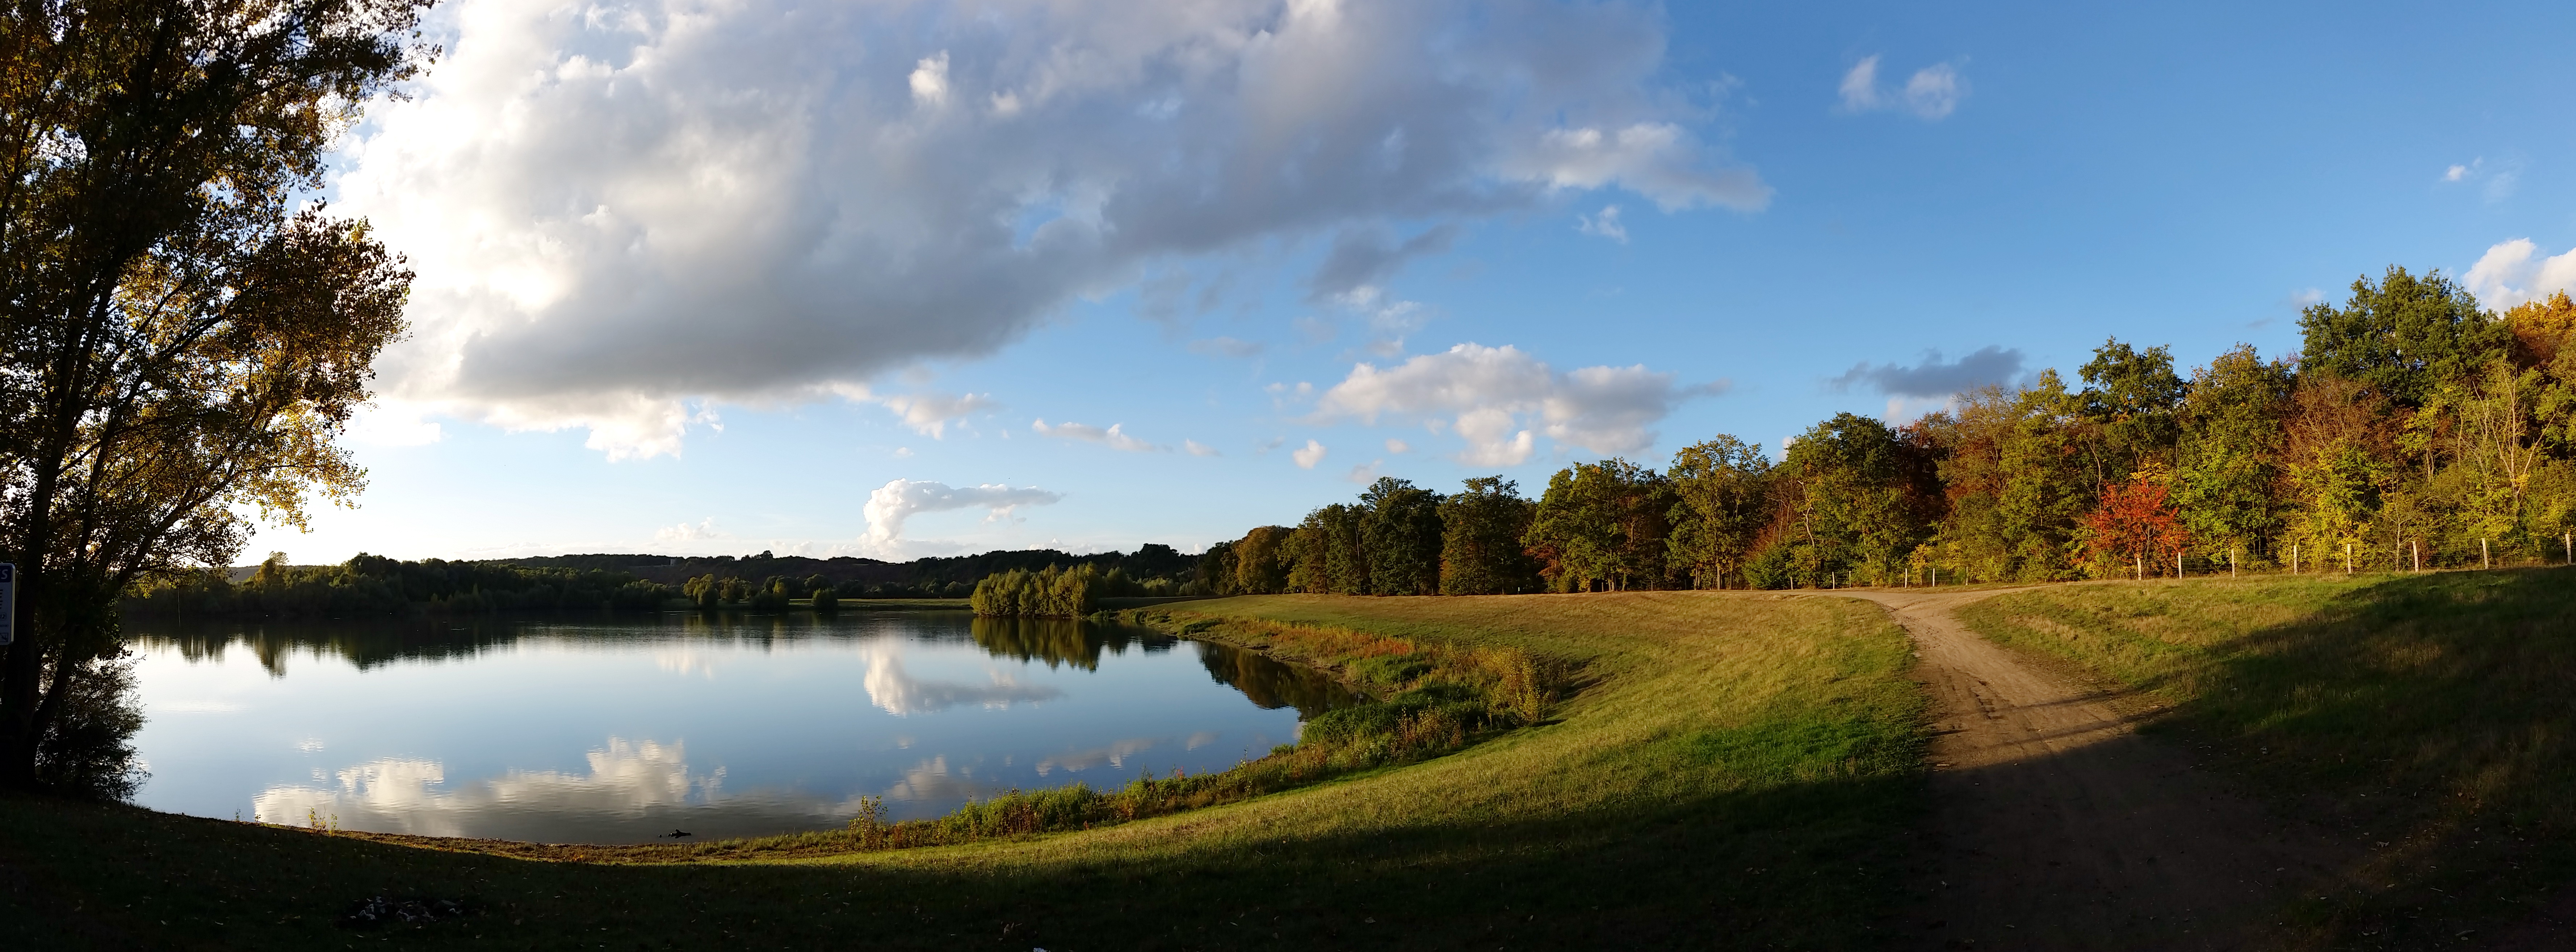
(1735, 771)
(2435, 714)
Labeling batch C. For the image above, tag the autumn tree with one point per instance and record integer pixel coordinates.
(1261, 562)
(2017, 481)
(2341, 467)
(2135, 528)
(185, 337)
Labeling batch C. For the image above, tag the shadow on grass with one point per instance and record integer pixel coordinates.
(2429, 720)
(1808, 866)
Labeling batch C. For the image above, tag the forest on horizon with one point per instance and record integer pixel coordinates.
(2412, 428)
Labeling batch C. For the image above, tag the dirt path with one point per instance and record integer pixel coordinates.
(2058, 828)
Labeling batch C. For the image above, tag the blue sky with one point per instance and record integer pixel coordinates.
(716, 279)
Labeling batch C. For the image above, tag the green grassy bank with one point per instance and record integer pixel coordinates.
(1733, 771)
(2430, 717)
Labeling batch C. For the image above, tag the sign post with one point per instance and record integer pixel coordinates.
(8, 601)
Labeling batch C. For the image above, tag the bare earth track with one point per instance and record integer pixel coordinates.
(2058, 827)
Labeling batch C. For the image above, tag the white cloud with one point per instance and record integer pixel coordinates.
(930, 413)
(903, 452)
(689, 532)
(1860, 86)
(1499, 398)
(2516, 271)
(1648, 158)
(622, 212)
(1197, 448)
(1605, 225)
(1364, 474)
(1931, 94)
(1111, 437)
(1934, 91)
(901, 499)
(392, 423)
(930, 81)
(1308, 457)
(1398, 446)
(2500, 180)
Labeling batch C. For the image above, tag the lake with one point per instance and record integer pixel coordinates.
(615, 729)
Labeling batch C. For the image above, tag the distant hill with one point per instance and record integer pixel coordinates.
(1152, 560)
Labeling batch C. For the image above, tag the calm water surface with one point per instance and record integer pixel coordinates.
(617, 730)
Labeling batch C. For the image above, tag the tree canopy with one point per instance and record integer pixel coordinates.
(186, 335)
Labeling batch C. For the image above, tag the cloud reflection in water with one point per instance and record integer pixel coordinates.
(403, 795)
(898, 692)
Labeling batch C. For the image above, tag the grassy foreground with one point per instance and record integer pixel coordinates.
(2431, 717)
(1734, 771)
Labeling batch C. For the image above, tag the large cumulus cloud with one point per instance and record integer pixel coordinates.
(1499, 398)
(622, 210)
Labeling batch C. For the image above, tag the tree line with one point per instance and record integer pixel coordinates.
(950, 576)
(2413, 429)
(373, 585)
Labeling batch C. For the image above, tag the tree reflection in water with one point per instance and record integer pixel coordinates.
(1054, 641)
(1273, 684)
(1058, 641)
(1063, 641)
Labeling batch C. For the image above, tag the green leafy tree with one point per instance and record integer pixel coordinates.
(1602, 525)
(1480, 544)
(2402, 337)
(1724, 488)
(1215, 574)
(1401, 533)
(182, 338)
(1327, 559)
(2130, 398)
(1842, 487)
(2016, 481)
(2227, 466)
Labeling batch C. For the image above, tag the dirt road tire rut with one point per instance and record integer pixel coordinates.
(2056, 826)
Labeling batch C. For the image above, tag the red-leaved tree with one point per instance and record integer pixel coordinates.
(2135, 524)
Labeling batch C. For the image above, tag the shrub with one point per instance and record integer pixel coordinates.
(1048, 593)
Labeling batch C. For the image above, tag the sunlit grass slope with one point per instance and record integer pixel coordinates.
(1736, 771)
(2433, 713)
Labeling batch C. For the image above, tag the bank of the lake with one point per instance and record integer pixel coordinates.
(1734, 771)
